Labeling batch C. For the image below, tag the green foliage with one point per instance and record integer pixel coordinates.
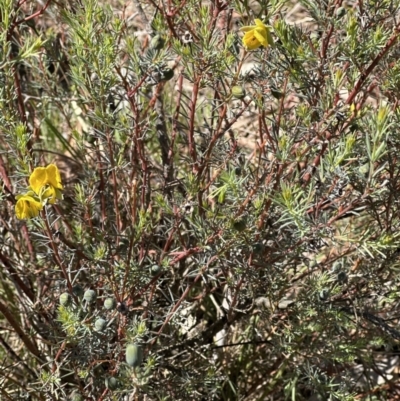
(230, 221)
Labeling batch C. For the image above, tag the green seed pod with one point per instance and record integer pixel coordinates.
(239, 225)
(337, 266)
(157, 42)
(340, 12)
(155, 269)
(110, 303)
(167, 74)
(77, 290)
(324, 294)
(90, 296)
(100, 324)
(65, 299)
(76, 397)
(134, 355)
(111, 383)
(238, 92)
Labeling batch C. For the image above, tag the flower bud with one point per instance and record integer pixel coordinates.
(238, 92)
(155, 269)
(90, 296)
(134, 355)
(65, 299)
(111, 383)
(110, 303)
(100, 324)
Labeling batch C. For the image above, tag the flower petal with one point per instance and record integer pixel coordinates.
(247, 28)
(44, 181)
(38, 179)
(261, 36)
(250, 41)
(27, 207)
(53, 176)
(259, 23)
(49, 194)
(256, 35)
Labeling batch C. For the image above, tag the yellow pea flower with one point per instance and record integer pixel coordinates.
(27, 206)
(256, 35)
(46, 183)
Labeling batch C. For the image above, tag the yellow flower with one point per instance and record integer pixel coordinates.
(256, 35)
(46, 183)
(27, 206)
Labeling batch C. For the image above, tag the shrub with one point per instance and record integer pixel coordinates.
(199, 200)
